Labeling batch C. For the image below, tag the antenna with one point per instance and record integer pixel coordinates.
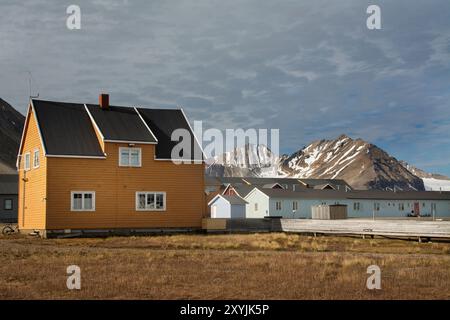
(30, 79)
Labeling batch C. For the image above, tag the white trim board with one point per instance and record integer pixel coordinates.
(215, 198)
(25, 126)
(255, 189)
(222, 196)
(39, 129)
(93, 121)
(30, 110)
(146, 125)
(193, 133)
(129, 141)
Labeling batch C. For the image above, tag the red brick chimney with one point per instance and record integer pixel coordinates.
(103, 101)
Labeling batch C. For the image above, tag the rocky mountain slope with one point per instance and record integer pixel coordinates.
(362, 164)
(247, 161)
(11, 124)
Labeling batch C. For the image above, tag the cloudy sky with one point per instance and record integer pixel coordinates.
(310, 68)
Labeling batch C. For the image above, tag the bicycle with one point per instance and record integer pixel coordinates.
(9, 229)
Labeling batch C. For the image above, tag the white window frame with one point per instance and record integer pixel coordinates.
(294, 205)
(256, 206)
(129, 157)
(278, 205)
(36, 151)
(83, 193)
(138, 193)
(25, 166)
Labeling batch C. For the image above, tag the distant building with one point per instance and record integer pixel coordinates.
(289, 204)
(225, 206)
(293, 184)
(8, 198)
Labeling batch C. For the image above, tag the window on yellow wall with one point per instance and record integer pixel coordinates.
(150, 201)
(26, 161)
(36, 158)
(160, 201)
(82, 201)
(135, 157)
(130, 157)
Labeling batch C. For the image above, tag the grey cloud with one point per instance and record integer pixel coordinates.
(310, 68)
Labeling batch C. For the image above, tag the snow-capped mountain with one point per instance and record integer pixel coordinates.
(432, 181)
(11, 124)
(423, 174)
(362, 164)
(247, 161)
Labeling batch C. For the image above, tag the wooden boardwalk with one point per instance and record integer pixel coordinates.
(363, 227)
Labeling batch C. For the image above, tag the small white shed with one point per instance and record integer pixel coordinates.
(224, 206)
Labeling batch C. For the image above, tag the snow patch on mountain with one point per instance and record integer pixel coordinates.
(362, 164)
(432, 184)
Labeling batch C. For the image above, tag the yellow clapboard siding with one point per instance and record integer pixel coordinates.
(115, 189)
(32, 192)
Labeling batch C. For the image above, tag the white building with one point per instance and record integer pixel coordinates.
(225, 206)
(297, 204)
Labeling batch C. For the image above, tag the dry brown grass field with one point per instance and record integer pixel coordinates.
(232, 266)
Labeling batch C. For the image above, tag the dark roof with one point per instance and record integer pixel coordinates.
(66, 129)
(9, 184)
(212, 181)
(163, 122)
(304, 194)
(234, 199)
(288, 183)
(271, 185)
(266, 181)
(337, 184)
(322, 186)
(242, 190)
(120, 124)
(256, 181)
(232, 180)
(399, 195)
(363, 194)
